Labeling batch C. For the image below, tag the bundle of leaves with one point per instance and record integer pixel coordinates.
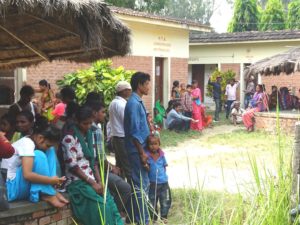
(226, 77)
(100, 78)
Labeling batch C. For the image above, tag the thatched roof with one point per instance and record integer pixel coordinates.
(287, 62)
(32, 31)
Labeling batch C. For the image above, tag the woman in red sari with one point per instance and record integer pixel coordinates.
(197, 110)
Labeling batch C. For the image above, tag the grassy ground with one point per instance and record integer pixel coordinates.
(267, 203)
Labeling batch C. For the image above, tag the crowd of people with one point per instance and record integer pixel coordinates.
(57, 146)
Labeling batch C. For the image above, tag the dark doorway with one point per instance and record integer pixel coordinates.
(198, 75)
(159, 80)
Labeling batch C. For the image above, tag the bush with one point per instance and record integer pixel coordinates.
(226, 77)
(100, 78)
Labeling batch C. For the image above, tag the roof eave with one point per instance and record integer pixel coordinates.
(159, 22)
(242, 42)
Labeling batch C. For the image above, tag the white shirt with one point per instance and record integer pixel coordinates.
(116, 116)
(23, 147)
(231, 91)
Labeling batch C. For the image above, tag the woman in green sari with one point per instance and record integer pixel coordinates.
(91, 202)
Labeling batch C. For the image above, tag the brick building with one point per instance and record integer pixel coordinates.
(236, 51)
(159, 46)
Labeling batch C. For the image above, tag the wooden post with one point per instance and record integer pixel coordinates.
(296, 166)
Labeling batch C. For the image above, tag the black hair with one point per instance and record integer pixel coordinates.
(67, 92)
(170, 105)
(96, 106)
(152, 136)
(194, 82)
(44, 83)
(42, 127)
(261, 87)
(71, 109)
(188, 86)
(138, 78)
(27, 114)
(58, 95)
(9, 118)
(176, 83)
(93, 97)
(176, 104)
(84, 113)
(27, 90)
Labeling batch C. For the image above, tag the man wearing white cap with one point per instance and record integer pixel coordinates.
(116, 118)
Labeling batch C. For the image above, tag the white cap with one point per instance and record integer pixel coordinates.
(122, 85)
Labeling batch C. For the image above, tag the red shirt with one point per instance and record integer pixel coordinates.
(6, 149)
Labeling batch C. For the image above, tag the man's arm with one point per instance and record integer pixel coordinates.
(142, 154)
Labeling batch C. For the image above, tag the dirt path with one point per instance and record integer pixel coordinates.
(218, 168)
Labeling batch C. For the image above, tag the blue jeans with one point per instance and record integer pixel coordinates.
(247, 100)
(218, 108)
(138, 208)
(228, 103)
(44, 164)
(187, 123)
(161, 193)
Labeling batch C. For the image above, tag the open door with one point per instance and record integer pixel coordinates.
(159, 80)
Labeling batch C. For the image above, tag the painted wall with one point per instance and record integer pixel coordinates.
(237, 53)
(158, 41)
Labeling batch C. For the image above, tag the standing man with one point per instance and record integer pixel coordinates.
(136, 134)
(116, 119)
(217, 94)
(249, 92)
(230, 95)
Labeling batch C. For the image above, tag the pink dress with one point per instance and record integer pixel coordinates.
(196, 114)
(257, 106)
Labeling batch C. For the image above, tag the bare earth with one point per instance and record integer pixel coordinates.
(194, 164)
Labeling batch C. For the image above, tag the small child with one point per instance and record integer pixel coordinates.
(159, 187)
(236, 113)
(59, 111)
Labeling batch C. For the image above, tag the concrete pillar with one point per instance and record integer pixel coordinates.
(296, 165)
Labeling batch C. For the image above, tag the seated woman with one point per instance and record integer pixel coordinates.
(236, 115)
(176, 121)
(32, 169)
(256, 105)
(274, 98)
(86, 191)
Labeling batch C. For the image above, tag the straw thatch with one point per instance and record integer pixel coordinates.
(287, 62)
(32, 31)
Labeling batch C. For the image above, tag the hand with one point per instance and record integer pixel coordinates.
(115, 170)
(98, 188)
(58, 180)
(144, 158)
(195, 121)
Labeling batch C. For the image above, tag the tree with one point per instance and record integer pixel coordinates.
(100, 78)
(122, 3)
(284, 2)
(273, 16)
(198, 10)
(293, 20)
(246, 16)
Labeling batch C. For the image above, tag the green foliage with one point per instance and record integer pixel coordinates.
(293, 20)
(100, 78)
(122, 3)
(246, 16)
(273, 16)
(226, 77)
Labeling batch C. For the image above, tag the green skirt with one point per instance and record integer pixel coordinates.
(89, 208)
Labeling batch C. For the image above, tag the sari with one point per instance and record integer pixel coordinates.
(257, 104)
(197, 110)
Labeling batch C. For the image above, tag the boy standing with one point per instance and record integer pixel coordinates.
(230, 95)
(217, 93)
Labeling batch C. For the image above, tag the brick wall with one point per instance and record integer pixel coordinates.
(179, 70)
(283, 80)
(36, 214)
(52, 72)
(138, 63)
(267, 122)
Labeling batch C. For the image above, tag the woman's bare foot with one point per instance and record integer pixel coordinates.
(61, 198)
(53, 200)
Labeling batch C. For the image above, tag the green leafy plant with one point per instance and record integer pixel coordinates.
(273, 17)
(226, 77)
(100, 78)
(293, 20)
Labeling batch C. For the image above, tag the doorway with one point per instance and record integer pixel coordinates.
(198, 75)
(159, 80)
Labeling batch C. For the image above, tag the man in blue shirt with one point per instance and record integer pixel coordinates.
(217, 93)
(136, 133)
